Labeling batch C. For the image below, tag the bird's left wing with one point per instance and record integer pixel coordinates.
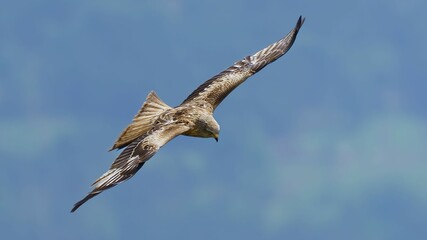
(133, 157)
(218, 87)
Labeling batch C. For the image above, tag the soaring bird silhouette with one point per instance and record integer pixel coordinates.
(156, 123)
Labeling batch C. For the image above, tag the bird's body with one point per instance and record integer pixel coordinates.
(156, 123)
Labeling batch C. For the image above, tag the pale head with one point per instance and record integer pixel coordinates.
(208, 126)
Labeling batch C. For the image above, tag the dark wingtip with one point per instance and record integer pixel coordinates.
(300, 22)
(81, 202)
(75, 207)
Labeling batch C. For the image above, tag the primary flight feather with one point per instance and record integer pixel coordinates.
(156, 123)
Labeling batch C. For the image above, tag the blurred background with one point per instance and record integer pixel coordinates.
(328, 142)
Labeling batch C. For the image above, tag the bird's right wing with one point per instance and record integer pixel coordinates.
(133, 157)
(218, 87)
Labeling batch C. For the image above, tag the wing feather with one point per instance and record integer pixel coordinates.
(218, 87)
(133, 157)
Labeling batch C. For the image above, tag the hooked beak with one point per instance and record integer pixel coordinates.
(216, 137)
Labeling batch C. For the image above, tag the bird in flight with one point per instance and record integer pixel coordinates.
(156, 123)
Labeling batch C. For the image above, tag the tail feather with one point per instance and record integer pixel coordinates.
(143, 120)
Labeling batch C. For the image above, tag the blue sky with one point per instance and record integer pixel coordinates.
(328, 142)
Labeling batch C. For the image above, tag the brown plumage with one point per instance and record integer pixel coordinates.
(156, 123)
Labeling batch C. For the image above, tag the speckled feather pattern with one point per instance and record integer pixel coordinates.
(156, 123)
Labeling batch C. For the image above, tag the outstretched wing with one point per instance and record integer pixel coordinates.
(133, 157)
(218, 87)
